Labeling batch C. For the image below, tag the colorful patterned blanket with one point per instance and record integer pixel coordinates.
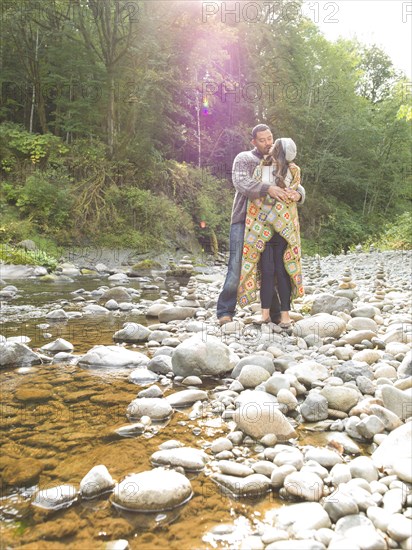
(265, 216)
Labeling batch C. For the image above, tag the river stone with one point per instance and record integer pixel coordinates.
(185, 457)
(328, 303)
(185, 398)
(113, 356)
(118, 277)
(365, 311)
(400, 334)
(153, 391)
(160, 335)
(156, 308)
(314, 408)
(142, 376)
(339, 505)
(356, 336)
(57, 314)
(322, 325)
(341, 398)
(324, 457)
(252, 375)
(97, 481)
(55, 498)
(258, 360)
(258, 415)
(95, 309)
(362, 323)
(176, 313)
(397, 446)
(152, 491)
(399, 527)
(132, 333)
(359, 530)
(17, 355)
(58, 345)
(397, 401)
(402, 468)
(389, 419)
(340, 473)
(405, 368)
(117, 293)
(363, 467)
(395, 348)
(201, 357)
(369, 356)
(304, 516)
(161, 364)
(308, 372)
(157, 408)
(130, 430)
(277, 382)
(305, 485)
(370, 426)
(231, 468)
(253, 485)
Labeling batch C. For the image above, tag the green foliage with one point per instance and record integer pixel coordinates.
(398, 234)
(45, 199)
(19, 256)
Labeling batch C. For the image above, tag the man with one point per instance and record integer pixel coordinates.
(247, 188)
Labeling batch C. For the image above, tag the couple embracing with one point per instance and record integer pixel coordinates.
(264, 242)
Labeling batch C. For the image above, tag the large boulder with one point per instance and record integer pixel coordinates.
(14, 354)
(152, 491)
(113, 356)
(395, 452)
(201, 357)
(328, 303)
(321, 325)
(258, 414)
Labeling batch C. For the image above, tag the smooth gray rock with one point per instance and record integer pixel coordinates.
(152, 491)
(308, 372)
(186, 457)
(185, 398)
(362, 323)
(365, 311)
(259, 360)
(97, 481)
(232, 468)
(305, 485)
(322, 325)
(258, 415)
(277, 382)
(113, 356)
(397, 446)
(363, 467)
(325, 457)
(389, 419)
(176, 313)
(252, 375)
(399, 527)
(361, 531)
(60, 344)
(350, 370)
(142, 376)
(357, 336)
(57, 314)
(253, 485)
(328, 303)
(55, 498)
(341, 398)
(314, 408)
(200, 357)
(295, 518)
(405, 368)
(397, 401)
(132, 333)
(339, 505)
(161, 364)
(157, 408)
(370, 426)
(15, 354)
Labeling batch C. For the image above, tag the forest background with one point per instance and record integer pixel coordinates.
(120, 120)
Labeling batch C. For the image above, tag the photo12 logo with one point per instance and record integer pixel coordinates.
(269, 12)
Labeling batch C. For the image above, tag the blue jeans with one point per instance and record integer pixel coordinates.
(273, 268)
(226, 304)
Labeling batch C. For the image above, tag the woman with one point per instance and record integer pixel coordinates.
(271, 253)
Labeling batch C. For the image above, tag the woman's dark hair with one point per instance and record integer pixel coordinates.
(281, 166)
(259, 128)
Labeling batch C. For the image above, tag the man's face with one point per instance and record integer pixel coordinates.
(263, 141)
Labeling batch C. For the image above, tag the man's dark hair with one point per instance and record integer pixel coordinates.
(259, 128)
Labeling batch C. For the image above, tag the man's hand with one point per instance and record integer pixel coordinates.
(278, 193)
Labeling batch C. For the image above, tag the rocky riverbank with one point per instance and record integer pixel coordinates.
(344, 370)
